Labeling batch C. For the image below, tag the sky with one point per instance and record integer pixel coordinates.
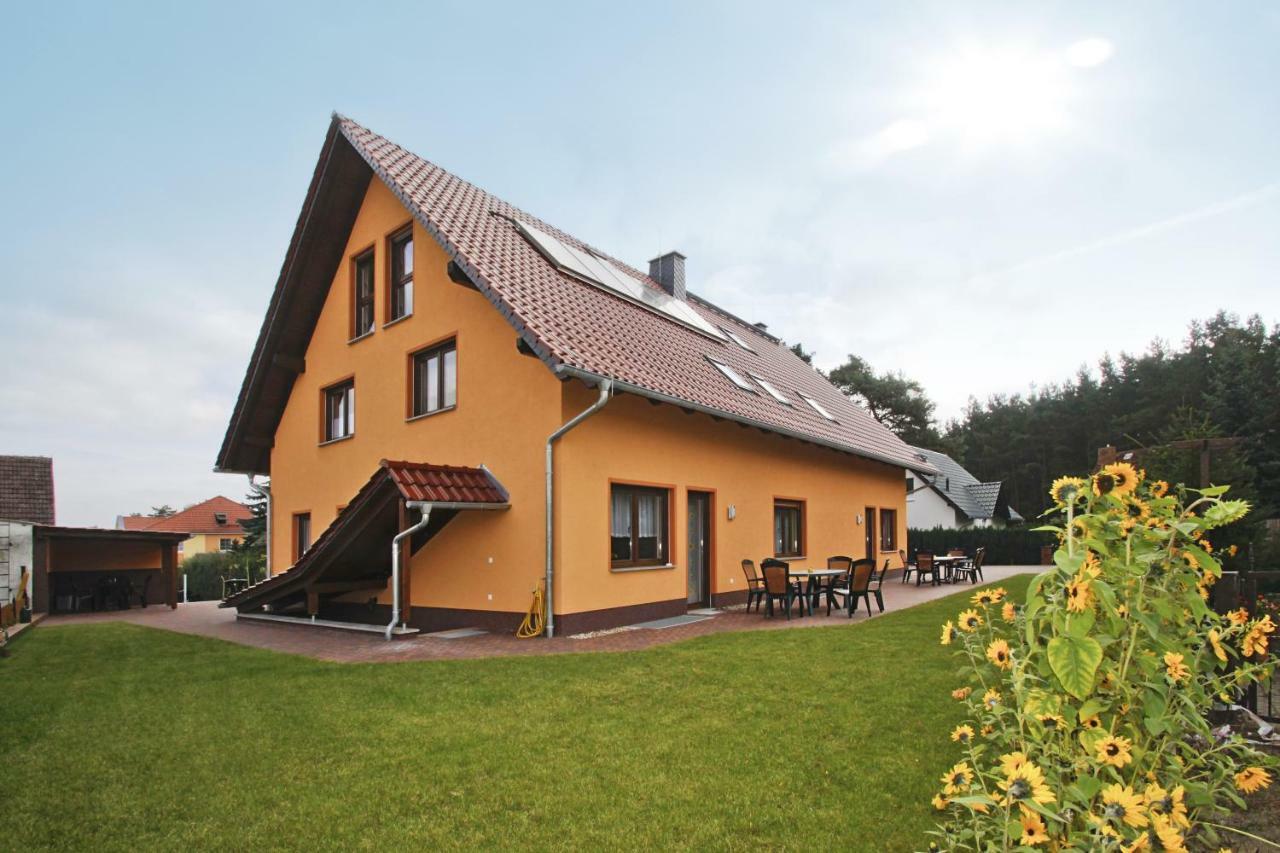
(982, 196)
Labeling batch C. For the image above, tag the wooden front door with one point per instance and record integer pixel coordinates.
(699, 549)
(869, 526)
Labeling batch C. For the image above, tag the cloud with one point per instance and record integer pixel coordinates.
(1089, 53)
(868, 152)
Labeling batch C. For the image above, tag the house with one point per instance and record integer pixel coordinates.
(211, 526)
(457, 402)
(75, 567)
(952, 497)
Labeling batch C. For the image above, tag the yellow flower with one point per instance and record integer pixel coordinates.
(1168, 804)
(961, 693)
(998, 654)
(940, 802)
(1067, 490)
(986, 730)
(962, 733)
(1115, 751)
(1255, 641)
(991, 698)
(1033, 828)
(1252, 779)
(969, 620)
(1207, 546)
(1122, 804)
(1052, 722)
(1167, 836)
(948, 633)
(957, 779)
(1091, 722)
(1231, 551)
(1174, 667)
(982, 596)
(1118, 478)
(1159, 489)
(1079, 594)
(1008, 613)
(1238, 617)
(1123, 611)
(1215, 640)
(1026, 783)
(1012, 761)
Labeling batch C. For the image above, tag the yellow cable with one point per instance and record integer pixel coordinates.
(535, 620)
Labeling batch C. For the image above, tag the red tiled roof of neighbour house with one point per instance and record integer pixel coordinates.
(137, 522)
(201, 518)
(579, 329)
(26, 489)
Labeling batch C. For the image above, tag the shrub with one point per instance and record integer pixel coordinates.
(1086, 704)
(205, 573)
(1006, 546)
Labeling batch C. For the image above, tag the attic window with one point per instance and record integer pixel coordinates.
(591, 268)
(816, 406)
(737, 340)
(773, 392)
(220, 518)
(733, 376)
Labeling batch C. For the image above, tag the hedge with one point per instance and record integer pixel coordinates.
(1006, 546)
(205, 573)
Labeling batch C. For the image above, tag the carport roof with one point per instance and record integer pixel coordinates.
(51, 531)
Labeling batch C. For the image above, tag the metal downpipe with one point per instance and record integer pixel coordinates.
(425, 508)
(606, 391)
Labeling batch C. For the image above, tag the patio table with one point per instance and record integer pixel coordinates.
(811, 588)
(949, 562)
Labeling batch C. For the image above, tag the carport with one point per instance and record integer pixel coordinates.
(89, 568)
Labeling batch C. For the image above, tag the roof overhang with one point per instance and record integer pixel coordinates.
(165, 537)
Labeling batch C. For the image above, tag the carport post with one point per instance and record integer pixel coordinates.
(169, 565)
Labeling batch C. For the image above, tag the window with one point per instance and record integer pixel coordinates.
(435, 379)
(737, 340)
(638, 526)
(340, 411)
(788, 528)
(888, 530)
(219, 518)
(401, 284)
(180, 548)
(772, 390)
(732, 375)
(362, 295)
(226, 544)
(301, 534)
(816, 406)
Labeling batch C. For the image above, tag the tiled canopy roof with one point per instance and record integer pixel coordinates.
(576, 328)
(961, 489)
(201, 518)
(26, 489)
(419, 481)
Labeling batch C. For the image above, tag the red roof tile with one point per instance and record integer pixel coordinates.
(418, 481)
(26, 489)
(200, 518)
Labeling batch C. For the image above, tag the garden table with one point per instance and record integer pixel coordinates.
(949, 563)
(813, 576)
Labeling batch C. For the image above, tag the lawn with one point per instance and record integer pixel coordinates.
(120, 737)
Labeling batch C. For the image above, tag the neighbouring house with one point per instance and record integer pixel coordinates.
(211, 526)
(434, 359)
(75, 568)
(951, 497)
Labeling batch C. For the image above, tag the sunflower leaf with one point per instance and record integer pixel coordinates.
(1074, 661)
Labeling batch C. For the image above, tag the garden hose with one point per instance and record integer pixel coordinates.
(535, 620)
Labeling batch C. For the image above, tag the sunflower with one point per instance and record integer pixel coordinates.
(1008, 612)
(1238, 617)
(961, 693)
(1122, 804)
(1080, 526)
(1252, 779)
(1255, 641)
(1026, 783)
(948, 633)
(1033, 828)
(1136, 510)
(1107, 681)
(1159, 489)
(1124, 478)
(1175, 668)
(1215, 641)
(1123, 611)
(1115, 751)
(1052, 722)
(1079, 594)
(957, 780)
(1166, 836)
(986, 730)
(1231, 551)
(998, 594)
(998, 654)
(991, 698)
(940, 802)
(1067, 490)
(962, 733)
(1167, 804)
(982, 597)
(1012, 761)
(1091, 722)
(969, 620)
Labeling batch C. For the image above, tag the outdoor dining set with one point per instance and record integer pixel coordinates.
(845, 581)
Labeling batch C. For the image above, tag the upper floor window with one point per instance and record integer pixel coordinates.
(788, 528)
(638, 532)
(226, 544)
(435, 379)
(362, 295)
(340, 410)
(401, 285)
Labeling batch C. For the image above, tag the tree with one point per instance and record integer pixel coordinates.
(806, 357)
(892, 399)
(162, 511)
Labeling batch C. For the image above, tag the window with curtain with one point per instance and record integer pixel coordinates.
(788, 528)
(638, 526)
(362, 295)
(888, 530)
(401, 284)
(435, 379)
(339, 411)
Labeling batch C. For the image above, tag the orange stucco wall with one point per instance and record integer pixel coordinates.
(507, 405)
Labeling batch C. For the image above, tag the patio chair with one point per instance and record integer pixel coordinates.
(907, 567)
(845, 565)
(71, 597)
(877, 581)
(778, 587)
(967, 570)
(925, 566)
(859, 586)
(979, 556)
(755, 585)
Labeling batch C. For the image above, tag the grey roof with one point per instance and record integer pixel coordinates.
(960, 488)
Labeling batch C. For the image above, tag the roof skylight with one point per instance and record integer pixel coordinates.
(737, 340)
(773, 391)
(816, 406)
(733, 376)
(596, 270)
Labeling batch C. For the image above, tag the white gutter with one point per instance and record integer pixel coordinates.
(606, 391)
(265, 492)
(425, 507)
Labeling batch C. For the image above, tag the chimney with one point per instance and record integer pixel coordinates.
(668, 271)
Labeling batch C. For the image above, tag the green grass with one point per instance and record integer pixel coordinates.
(119, 737)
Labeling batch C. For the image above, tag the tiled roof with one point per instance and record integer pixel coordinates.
(960, 488)
(197, 519)
(419, 481)
(576, 328)
(26, 489)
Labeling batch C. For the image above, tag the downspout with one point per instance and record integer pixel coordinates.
(606, 391)
(265, 492)
(395, 560)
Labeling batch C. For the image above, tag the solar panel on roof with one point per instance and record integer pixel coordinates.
(596, 270)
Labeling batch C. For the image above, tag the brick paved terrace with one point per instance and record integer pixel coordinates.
(206, 619)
